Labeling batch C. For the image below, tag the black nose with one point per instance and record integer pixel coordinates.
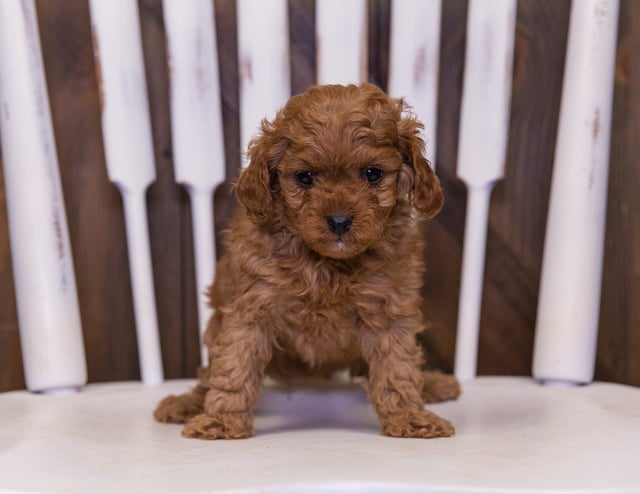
(339, 223)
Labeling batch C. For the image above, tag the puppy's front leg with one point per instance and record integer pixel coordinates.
(239, 354)
(395, 385)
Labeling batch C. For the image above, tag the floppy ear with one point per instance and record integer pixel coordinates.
(425, 191)
(256, 185)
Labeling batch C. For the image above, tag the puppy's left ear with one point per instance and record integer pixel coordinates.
(425, 191)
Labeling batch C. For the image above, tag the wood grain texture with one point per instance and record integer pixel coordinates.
(517, 220)
(445, 232)
(519, 202)
(94, 208)
(11, 375)
(619, 338)
(169, 212)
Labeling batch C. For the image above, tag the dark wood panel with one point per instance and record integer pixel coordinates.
(518, 215)
(94, 208)
(519, 202)
(169, 213)
(619, 338)
(302, 33)
(445, 232)
(11, 376)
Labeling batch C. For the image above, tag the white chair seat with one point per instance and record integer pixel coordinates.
(513, 435)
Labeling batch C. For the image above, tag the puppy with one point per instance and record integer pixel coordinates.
(323, 267)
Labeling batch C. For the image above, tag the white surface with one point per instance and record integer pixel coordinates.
(486, 91)
(47, 302)
(263, 52)
(126, 130)
(482, 147)
(125, 108)
(569, 302)
(196, 128)
(414, 55)
(341, 41)
(513, 435)
(196, 113)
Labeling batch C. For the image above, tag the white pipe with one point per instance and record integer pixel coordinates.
(126, 130)
(569, 300)
(341, 41)
(135, 211)
(46, 295)
(473, 257)
(414, 62)
(263, 51)
(205, 255)
(197, 131)
(484, 129)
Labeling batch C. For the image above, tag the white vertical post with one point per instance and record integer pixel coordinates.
(197, 131)
(484, 124)
(569, 301)
(414, 61)
(341, 41)
(263, 50)
(126, 130)
(48, 312)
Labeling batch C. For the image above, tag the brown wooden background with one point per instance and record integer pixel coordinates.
(518, 213)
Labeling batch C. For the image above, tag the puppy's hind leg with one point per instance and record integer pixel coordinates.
(439, 387)
(179, 409)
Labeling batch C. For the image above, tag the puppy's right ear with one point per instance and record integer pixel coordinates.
(256, 185)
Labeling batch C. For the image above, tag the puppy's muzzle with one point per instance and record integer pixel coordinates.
(339, 223)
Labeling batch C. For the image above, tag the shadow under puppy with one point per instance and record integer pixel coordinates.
(323, 267)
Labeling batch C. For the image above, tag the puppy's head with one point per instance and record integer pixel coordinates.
(332, 166)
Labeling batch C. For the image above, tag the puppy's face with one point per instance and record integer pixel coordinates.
(333, 165)
(339, 187)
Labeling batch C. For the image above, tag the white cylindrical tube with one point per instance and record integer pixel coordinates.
(341, 41)
(204, 248)
(48, 311)
(414, 61)
(263, 51)
(569, 300)
(144, 302)
(126, 129)
(475, 240)
(482, 149)
(486, 91)
(196, 129)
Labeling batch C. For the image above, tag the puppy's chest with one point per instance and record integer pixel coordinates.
(323, 290)
(321, 304)
(318, 316)
(320, 334)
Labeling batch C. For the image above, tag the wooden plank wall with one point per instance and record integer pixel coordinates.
(518, 211)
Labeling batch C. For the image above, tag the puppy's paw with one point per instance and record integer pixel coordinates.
(221, 426)
(178, 409)
(423, 424)
(439, 387)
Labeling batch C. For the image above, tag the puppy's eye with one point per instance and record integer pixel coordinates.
(372, 174)
(305, 179)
